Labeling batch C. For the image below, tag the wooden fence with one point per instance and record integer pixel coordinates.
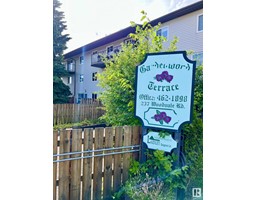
(91, 164)
(70, 113)
(91, 101)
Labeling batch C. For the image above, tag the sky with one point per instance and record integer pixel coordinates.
(89, 20)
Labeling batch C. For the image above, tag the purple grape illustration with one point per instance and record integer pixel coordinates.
(159, 77)
(161, 117)
(164, 76)
(157, 117)
(167, 119)
(169, 78)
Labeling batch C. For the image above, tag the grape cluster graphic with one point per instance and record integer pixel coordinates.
(164, 76)
(162, 117)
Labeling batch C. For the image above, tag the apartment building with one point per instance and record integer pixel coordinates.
(85, 62)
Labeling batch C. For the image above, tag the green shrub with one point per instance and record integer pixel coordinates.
(154, 179)
(118, 78)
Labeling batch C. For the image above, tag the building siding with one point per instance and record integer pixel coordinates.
(184, 27)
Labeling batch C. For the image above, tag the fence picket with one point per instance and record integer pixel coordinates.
(64, 176)
(76, 164)
(97, 172)
(117, 159)
(55, 142)
(87, 165)
(135, 140)
(107, 181)
(126, 156)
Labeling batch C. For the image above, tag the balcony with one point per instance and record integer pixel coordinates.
(71, 68)
(96, 58)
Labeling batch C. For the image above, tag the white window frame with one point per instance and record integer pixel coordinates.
(167, 28)
(197, 26)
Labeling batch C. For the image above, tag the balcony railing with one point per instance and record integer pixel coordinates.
(96, 58)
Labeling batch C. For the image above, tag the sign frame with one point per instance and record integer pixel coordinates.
(184, 54)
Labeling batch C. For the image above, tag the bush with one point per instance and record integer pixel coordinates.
(154, 179)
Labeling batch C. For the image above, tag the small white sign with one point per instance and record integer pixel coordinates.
(154, 141)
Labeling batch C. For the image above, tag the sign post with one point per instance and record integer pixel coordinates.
(164, 98)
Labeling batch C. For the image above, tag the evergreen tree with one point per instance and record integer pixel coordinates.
(61, 92)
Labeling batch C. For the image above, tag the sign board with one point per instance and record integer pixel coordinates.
(164, 90)
(154, 141)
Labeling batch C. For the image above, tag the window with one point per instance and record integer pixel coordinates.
(129, 41)
(94, 76)
(69, 80)
(163, 32)
(94, 96)
(109, 49)
(200, 23)
(81, 59)
(81, 79)
(96, 57)
(80, 97)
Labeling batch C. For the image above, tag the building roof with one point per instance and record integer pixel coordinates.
(126, 31)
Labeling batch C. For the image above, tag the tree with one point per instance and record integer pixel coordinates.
(61, 92)
(118, 78)
(118, 82)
